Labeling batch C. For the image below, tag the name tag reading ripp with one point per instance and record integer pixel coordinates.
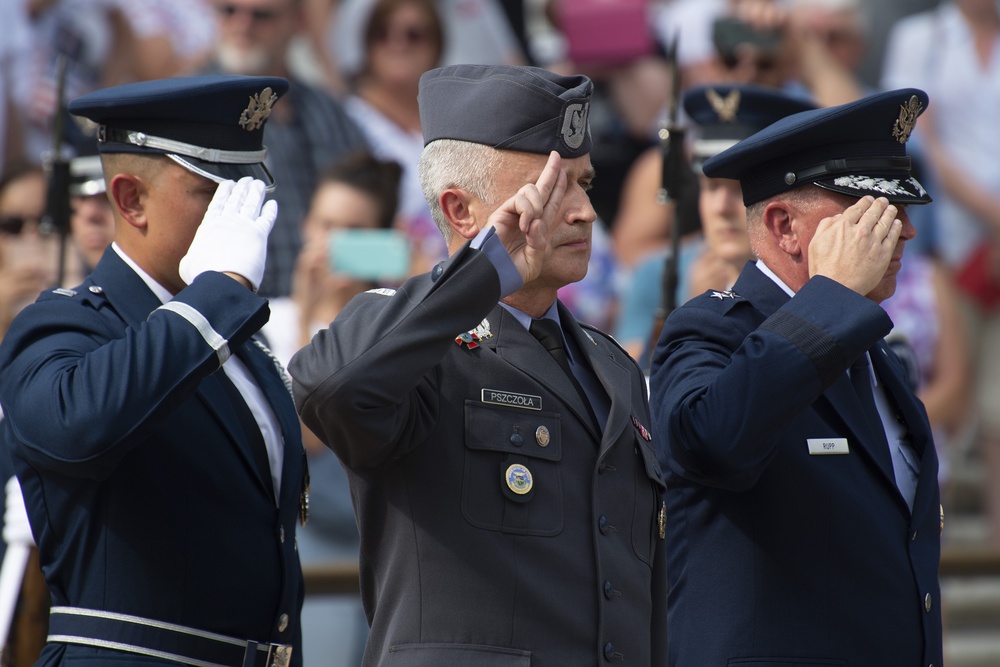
(820, 446)
(511, 399)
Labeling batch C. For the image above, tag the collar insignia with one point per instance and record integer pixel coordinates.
(903, 125)
(726, 107)
(258, 110)
(476, 336)
(728, 294)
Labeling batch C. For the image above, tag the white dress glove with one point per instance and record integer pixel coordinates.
(233, 234)
(16, 529)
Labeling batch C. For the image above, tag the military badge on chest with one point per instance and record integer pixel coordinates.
(471, 339)
(519, 482)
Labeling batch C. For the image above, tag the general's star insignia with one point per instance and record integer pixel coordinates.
(728, 294)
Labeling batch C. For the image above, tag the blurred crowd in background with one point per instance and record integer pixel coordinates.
(344, 143)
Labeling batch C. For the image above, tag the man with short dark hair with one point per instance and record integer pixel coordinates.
(155, 441)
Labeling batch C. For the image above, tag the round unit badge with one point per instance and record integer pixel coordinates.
(518, 479)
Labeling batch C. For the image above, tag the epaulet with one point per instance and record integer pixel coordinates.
(588, 328)
(384, 291)
(79, 293)
(717, 300)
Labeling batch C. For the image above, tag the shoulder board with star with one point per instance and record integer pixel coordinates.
(718, 300)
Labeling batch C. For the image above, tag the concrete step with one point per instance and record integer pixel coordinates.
(972, 603)
(971, 611)
(972, 649)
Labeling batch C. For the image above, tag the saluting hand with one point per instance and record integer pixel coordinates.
(525, 222)
(232, 237)
(855, 247)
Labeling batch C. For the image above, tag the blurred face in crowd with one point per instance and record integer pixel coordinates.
(335, 206)
(28, 258)
(22, 205)
(840, 30)
(403, 41)
(92, 226)
(254, 35)
(724, 218)
(339, 206)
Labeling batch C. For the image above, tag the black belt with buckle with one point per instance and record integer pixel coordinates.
(168, 641)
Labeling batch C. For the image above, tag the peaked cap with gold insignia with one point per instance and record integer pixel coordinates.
(856, 149)
(726, 113)
(212, 125)
(526, 109)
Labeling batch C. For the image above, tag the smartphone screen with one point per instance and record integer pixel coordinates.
(369, 254)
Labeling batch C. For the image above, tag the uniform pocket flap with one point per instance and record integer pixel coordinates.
(436, 655)
(534, 434)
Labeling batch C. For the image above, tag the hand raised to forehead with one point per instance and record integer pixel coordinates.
(525, 222)
(855, 247)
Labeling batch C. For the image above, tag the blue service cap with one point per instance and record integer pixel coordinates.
(857, 149)
(515, 108)
(212, 125)
(86, 175)
(728, 113)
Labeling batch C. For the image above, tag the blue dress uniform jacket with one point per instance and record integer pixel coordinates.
(457, 568)
(777, 556)
(143, 496)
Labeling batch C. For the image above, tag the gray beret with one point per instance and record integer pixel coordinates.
(516, 108)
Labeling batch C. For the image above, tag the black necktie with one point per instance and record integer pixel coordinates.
(548, 333)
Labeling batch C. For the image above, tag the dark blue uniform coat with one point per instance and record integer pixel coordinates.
(779, 557)
(456, 568)
(142, 493)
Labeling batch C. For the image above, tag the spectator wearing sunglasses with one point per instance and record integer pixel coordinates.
(307, 131)
(27, 253)
(402, 40)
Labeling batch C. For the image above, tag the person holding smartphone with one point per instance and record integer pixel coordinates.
(349, 246)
